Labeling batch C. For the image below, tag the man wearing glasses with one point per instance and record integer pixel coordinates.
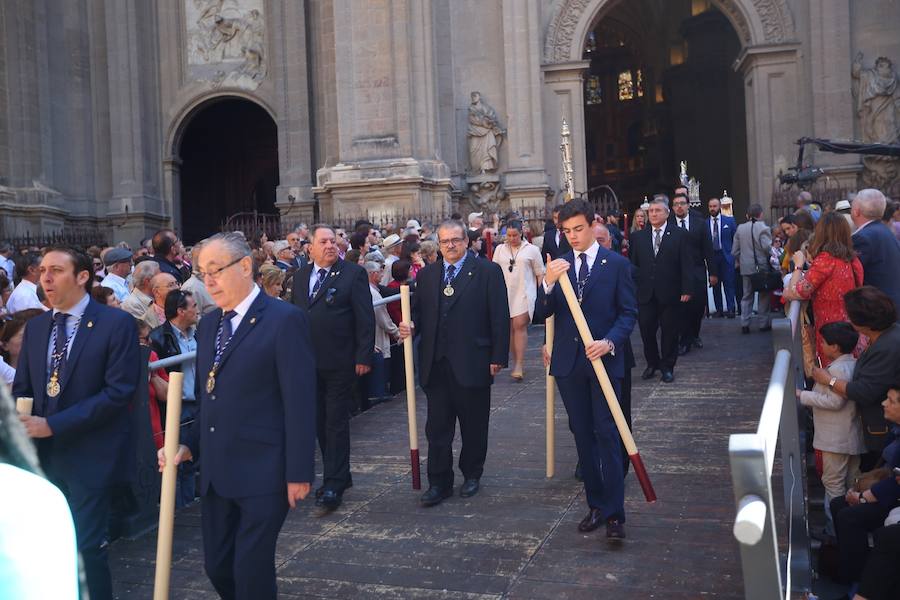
(460, 310)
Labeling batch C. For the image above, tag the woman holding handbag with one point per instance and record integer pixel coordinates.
(834, 270)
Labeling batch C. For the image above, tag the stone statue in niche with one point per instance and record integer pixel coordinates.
(484, 134)
(877, 92)
(226, 42)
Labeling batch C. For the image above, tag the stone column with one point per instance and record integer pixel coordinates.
(563, 98)
(525, 180)
(773, 114)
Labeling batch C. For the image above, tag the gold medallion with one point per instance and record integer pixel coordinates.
(53, 386)
(448, 291)
(211, 382)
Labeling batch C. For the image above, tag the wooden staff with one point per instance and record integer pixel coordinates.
(585, 332)
(489, 241)
(406, 315)
(551, 402)
(167, 494)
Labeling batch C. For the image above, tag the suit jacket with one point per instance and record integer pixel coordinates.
(341, 316)
(876, 370)
(609, 306)
(669, 274)
(727, 225)
(477, 320)
(256, 430)
(550, 247)
(91, 443)
(700, 245)
(752, 237)
(879, 253)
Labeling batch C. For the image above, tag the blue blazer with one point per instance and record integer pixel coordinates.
(879, 253)
(91, 443)
(729, 226)
(256, 430)
(609, 306)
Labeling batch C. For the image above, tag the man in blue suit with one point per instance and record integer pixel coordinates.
(603, 282)
(80, 363)
(256, 384)
(721, 230)
(875, 244)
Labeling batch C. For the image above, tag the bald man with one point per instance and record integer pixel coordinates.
(602, 235)
(160, 286)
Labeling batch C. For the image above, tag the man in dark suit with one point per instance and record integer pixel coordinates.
(603, 282)
(256, 387)
(875, 244)
(721, 232)
(664, 276)
(699, 244)
(555, 243)
(81, 365)
(461, 312)
(335, 295)
(165, 251)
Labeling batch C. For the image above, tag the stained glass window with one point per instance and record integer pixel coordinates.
(640, 84)
(593, 94)
(626, 86)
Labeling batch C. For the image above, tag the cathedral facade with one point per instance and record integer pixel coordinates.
(129, 115)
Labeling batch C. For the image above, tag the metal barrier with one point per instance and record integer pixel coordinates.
(766, 574)
(171, 361)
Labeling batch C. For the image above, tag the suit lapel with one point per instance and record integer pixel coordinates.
(82, 336)
(333, 275)
(462, 279)
(594, 275)
(38, 358)
(248, 322)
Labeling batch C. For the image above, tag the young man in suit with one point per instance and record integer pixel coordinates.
(721, 232)
(664, 277)
(255, 435)
(80, 363)
(555, 243)
(460, 310)
(875, 244)
(603, 282)
(751, 249)
(700, 246)
(335, 295)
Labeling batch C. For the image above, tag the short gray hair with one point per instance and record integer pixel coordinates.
(374, 257)
(144, 272)
(235, 243)
(661, 200)
(871, 203)
(373, 266)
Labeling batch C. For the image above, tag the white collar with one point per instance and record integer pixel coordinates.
(317, 267)
(28, 285)
(115, 277)
(591, 252)
(662, 227)
(76, 311)
(858, 229)
(244, 305)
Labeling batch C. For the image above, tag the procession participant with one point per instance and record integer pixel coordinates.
(81, 423)
(605, 289)
(255, 436)
(334, 293)
(461, 312)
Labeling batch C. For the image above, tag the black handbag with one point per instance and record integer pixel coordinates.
(765, 279)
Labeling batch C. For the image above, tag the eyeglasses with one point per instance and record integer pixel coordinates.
(215, 273)
(452, 241)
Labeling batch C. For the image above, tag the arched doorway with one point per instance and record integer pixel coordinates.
(660, 89)
(229, 164)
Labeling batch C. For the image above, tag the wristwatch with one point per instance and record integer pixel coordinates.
(832, 382)
(612, 347)
(862, 498)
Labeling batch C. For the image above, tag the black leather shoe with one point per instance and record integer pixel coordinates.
(648, 373)
(469, 488)
(745, 329)
(578, 474)
(330, 499)
(615, 530)
(698, 342)
(718, 314)
(667, 377)
(319, 491)
(729, 314)
(683, 349)
(435, 496)
(591, 521)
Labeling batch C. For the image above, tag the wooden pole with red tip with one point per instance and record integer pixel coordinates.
(406, 315)
(167, 493)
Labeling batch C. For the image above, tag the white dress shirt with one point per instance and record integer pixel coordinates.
(117, 285)
(242, 308)
(314, 276)
(24, 297)
(686, 219)
(75, 314)
(591, 254)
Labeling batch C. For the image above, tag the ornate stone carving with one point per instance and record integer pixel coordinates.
(486, 193)
(226, 42)
(877, 93)
(484, 135)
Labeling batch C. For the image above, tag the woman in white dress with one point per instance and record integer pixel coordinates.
(523, 269)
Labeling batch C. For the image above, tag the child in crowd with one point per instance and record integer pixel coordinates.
(838, 427)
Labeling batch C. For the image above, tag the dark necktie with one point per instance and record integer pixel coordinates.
(717, 244)
(657, 239)
(320, 277)
(226, 330)
(59, 347)
(682, 224)
(451, 270)
(583, 271)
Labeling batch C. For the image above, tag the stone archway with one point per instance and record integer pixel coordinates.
(768, 62)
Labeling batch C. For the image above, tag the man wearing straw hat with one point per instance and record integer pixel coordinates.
(605, 289)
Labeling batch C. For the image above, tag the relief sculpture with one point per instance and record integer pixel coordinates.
(226, 42)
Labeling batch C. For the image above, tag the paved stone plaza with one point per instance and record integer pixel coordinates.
(517, 538)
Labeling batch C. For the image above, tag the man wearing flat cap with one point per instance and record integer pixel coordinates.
(118, 267)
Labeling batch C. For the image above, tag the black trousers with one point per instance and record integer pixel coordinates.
(853, 525)
(692, 313)
(335, 395)
(880, 578)
(239, 536)
(448, 401)
(91, 512)
(653, 316)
